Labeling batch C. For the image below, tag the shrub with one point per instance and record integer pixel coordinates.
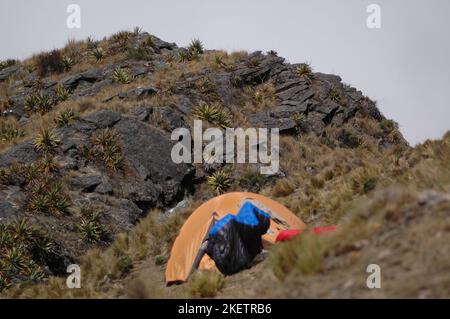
(282, 188)
(303, 254)
(223, 119)
(251, 180)
(9, 131)
(206, 112)
(122, 37)
(218, 60)
(62, 93)
(213, 114)
(139, 52)
(148, 42)
(107, 148)
(265, 93)
(121, 76)
(90, 230)
(65, 117)
(51, 62)
(206, 284)
(349, 138)
(47, 196)
(90, 42)
(89, 225)
(98, 54)
(68, 63)
(304, 71)
(124, 265)
(205, 85)
(184, 56)
(219, 181)
(160, 260)
(170, 57)
(48, 164)
(46, 141)
(369, 184)
(195, 48)
(24, 251)
(39, 101)
(388, 125)
(334, 93)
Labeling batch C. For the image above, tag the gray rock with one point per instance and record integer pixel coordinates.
(291, 92)
(266, 67)
(168, 118)
(142, 113)
(21, 153)
(287, 111)
(92, 89)
(103, 119)
(86, 183)
(90, 76)
(104, 188)
(264, 120)
(149, 153)
(7, 211)
(140, 92)
(7, 72)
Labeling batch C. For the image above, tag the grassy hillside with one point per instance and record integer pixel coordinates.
(341, 163)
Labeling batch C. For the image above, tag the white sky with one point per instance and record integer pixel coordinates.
(404, 66)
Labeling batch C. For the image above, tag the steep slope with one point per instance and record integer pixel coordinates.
(86, 155)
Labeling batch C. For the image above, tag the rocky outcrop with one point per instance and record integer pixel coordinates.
(154, 104)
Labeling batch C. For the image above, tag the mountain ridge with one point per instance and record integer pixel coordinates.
(85, 151)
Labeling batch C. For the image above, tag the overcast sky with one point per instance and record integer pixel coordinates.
(404, 65)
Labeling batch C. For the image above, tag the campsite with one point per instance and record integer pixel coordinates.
(193, 158)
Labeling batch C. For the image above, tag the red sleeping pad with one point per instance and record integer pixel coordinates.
(285, 235)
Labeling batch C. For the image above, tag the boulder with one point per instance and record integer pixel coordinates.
(21, 153)
(86, 183)
(103, 118)
(168, 118)
(139, 92)
(7, 72)
(149, 154)
(258, 69)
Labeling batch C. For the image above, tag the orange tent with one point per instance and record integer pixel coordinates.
(185, 251)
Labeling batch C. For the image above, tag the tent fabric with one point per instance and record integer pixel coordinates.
(235, 240)
(323, 229)
(186, 247)
(288, 234)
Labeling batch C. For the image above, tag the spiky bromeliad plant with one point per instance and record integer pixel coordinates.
(121, 76)
(24, 250)
(207, 112)
(304, 71)
(213, 114)
(62, 93)
(46, 141)
(108, 148)
(334, 93)
(195, 49)
(219, 181)
(68, 63)
(39, 101)
(48, 196)
(65, 117)
(98, 54)
(89, 225)
(9, 132)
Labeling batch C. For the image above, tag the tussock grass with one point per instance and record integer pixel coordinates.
(206, 284)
